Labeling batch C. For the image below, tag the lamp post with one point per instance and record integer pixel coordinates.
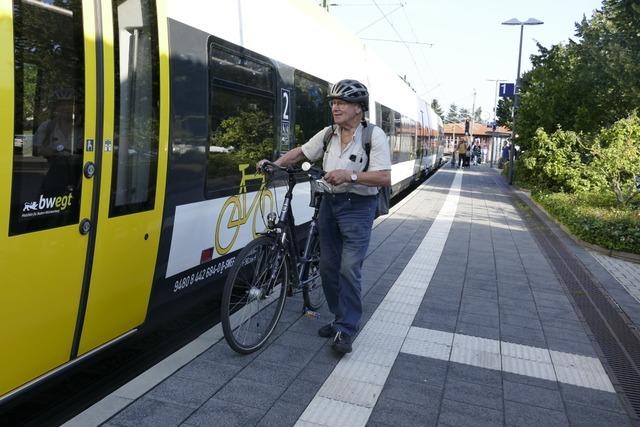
(516, 94)
(495, 116)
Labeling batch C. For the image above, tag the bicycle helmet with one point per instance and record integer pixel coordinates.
(350, 91)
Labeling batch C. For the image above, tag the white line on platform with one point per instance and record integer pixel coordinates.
(519, 359)
(345, 401)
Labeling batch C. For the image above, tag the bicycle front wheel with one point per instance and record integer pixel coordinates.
(254, 294)
(312, 290)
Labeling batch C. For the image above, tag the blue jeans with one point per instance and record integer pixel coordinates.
(344, 224)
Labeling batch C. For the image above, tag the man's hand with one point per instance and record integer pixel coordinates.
(260, 165)
(338, 176)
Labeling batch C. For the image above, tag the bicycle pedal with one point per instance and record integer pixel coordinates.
(311, 314)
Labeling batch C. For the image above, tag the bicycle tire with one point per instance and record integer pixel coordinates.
(312, 292)
(254, 294)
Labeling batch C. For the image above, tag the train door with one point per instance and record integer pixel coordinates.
(132, 164)
(82, 188)
(47, 135)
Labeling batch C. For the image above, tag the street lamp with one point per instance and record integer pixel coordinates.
(516, 95)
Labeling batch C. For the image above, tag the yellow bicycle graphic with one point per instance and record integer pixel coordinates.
(234, 212)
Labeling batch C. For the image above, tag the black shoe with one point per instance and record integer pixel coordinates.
(327, 331)
(342, 343)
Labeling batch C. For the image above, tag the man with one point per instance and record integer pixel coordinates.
(348, 210)
(462, 152)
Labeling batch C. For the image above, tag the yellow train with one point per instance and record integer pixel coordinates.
(126, 128)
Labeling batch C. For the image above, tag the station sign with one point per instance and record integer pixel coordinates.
(506, 90)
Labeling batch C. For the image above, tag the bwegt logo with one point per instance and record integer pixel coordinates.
(59, 203)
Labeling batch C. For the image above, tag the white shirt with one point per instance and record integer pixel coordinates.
(352, 157)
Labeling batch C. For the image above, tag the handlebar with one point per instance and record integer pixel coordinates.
(313, 171)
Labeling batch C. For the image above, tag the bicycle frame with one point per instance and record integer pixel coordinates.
(285, 228)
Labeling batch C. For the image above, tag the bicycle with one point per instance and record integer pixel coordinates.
(240, 211)
(263, 272)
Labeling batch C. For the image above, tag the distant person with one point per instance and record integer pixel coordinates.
(461, 149)
(476, 152)
(505, 154)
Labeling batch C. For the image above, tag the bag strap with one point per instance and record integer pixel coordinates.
(367, 133)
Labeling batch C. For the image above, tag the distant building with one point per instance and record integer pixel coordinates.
(453, 132)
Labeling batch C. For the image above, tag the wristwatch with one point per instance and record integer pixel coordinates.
(354, 177)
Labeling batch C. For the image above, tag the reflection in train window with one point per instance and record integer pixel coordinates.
(48, 121)
(312, 106)
(135, 152)
(241, 106)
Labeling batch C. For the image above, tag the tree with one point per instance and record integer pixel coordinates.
(504, 112)
(437, 108)
(464, 114)
(589, 84)
(452, 114)
(477, 115)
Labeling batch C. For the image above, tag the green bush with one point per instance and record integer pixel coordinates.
(556, 162)
(616, 159)
(595, 218)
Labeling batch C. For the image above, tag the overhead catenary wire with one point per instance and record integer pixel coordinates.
(400, 37)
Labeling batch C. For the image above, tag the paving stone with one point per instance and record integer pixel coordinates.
(216, 412)
(147, 412)
(458, 414)
(282, 414)
(480, 319)
(252, 394)
(474, 374)
(208, 371)
(532, 381)
(399, 414)
(569, 346)
(476, 330)
(270, 373)
(303, 341)
(580, 415)
(316, 372)
(221, 352)
(592, 398)
(300, 392)
(419, 369)
(410, 391)
(535, 396)
(518, 414)
(286, 355)
(475, 394)
(185, 392)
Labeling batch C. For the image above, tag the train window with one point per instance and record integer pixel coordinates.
(312, 106)
(241, 115)
(135, 145)
(48, 122)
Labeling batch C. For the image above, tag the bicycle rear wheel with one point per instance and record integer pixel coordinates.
(254, 294)
(312, 291)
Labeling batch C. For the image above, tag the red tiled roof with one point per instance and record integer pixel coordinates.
(478, 129)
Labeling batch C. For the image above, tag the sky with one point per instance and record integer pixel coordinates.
(469, 44)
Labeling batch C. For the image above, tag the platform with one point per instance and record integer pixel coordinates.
(466, 323)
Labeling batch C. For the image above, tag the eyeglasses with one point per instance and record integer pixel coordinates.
(338, 103)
